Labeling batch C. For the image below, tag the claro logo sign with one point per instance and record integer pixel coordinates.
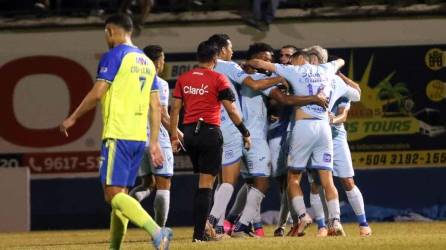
(78, 82)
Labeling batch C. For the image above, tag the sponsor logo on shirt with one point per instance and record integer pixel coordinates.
(196, 91)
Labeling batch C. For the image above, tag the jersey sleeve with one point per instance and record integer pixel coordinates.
(164, 92)
(108, 67)
(286, 71)
(236, 73)
(155, 84)
(177, 93)
(330, 67)
(222, 82)
(344, 102)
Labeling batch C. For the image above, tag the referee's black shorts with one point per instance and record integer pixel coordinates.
(205, 148)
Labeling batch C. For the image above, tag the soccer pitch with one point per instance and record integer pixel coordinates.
(410, 235)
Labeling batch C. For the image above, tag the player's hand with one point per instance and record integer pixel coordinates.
(155, 154)
(331, 116)
(247, 142)
(65, 125)
(176, 145)
(321, 100)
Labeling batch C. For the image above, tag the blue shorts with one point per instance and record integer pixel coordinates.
(165, 170)
(257, 160)
(232, 147)
(120, 161)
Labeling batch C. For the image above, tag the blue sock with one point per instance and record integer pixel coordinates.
(362, 220)
(321, 223)
(240, 227)
(257, 225)
(232, 218)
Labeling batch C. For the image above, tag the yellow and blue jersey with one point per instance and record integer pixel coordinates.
(132, 77)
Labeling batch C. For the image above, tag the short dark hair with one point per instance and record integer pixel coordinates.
(206, 51)
(256, 48)
(122, 20)
(288, 46)
(153, 52)
(220, 40)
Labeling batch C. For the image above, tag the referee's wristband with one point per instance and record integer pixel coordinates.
(243, 130)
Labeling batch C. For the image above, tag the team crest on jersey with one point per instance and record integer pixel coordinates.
(327, 157)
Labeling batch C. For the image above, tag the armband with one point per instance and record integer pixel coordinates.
(243, 130)
(226, 94)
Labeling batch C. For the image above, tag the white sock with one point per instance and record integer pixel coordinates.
(334, 211)
(161, 206)
(355, 199)
(316, 205)
(140, 192)
(284, 212)
(299, 205)
(221, 200)
(240, 201)
(252, 206)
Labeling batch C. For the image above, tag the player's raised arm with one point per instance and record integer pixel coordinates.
(89, 102)
(338, 63)
(353, 96)
(260, 64)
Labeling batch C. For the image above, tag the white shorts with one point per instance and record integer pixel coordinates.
(311, 140)
(166, 169)
(232, 147)
(279, 148)
(257, 160)
(342, 158)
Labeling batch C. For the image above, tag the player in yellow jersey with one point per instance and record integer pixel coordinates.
(127, 86)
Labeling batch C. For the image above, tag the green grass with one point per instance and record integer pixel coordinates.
(385, 236)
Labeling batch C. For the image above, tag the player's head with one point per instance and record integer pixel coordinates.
(318, 55)
(300, 57)
(260, 51)
(156, 54)
(207, 52)
(286, 52)
(118, 29)
(224, 45)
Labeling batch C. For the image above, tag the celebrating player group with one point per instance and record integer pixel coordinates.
(265, 121)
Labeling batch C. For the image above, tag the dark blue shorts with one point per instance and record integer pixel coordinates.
(120, 161)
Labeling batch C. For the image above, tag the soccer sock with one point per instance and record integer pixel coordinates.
(132, 210)
(161, 206)
(239, 203)
(202, 203)
(334, 211)
(355, 199)
(140, 192)
(284, 211)
(299, 205)
(252, 207)
(221, 200)
(118, 229)
(316, 205)
(293, 211)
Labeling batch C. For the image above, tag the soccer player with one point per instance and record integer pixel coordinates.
(126, 84)
(232, 141)
(278, 143)
(257, 159)
(158, 177)
(342, 162)
(311, 135)
(203, 92)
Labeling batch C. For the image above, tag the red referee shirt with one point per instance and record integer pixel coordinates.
(199, 88)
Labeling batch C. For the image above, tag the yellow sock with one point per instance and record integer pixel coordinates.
(133, 211)
(118, 229)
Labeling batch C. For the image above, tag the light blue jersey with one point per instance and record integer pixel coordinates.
(255, 114)
(338, 129)
(232, 139)
(163, 136)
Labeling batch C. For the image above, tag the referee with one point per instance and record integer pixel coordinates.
(202, 91)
